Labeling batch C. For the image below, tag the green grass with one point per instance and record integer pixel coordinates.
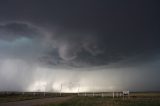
(17, 98)
(106, 101)
(12, 97)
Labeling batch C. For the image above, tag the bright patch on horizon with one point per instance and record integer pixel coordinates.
(39, 86)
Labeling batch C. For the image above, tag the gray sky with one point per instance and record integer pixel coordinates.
(97, 45)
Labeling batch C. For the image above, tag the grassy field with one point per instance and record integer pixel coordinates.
(98, 101)
(137, 99)
(18, 96)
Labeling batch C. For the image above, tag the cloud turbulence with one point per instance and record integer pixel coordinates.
(45, 43)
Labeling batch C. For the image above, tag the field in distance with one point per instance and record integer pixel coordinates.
(22, 96)
(135, 99)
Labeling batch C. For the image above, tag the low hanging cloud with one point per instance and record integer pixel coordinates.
(20, 40)
(30, 76)
(68, 46)
(13, 30)
(61, 47)
(101, 45)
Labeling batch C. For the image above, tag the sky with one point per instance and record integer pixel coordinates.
(79, 45)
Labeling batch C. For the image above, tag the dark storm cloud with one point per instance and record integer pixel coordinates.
(85, 33)
(13, 30)
(104, 43)
(72, 48)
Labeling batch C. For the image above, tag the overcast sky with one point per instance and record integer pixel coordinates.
(97, 45)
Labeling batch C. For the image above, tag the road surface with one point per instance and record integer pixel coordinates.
(36, 102)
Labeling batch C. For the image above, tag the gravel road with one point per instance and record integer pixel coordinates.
(37, 102)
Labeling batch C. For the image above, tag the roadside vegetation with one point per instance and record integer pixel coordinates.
(135, 99)
(14, 96)
(98, 101)
(140, 100)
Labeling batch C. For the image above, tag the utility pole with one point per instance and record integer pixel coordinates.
(60, 90)
(78, 89)
(44, 92)
(113, 94)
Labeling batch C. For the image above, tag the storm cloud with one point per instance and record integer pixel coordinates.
(92, 40)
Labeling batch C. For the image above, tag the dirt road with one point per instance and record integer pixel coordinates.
(36, 102)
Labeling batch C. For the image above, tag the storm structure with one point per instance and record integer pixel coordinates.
(90, 45)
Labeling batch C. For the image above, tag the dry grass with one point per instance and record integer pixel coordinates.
(139, 99)
(136, 99)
